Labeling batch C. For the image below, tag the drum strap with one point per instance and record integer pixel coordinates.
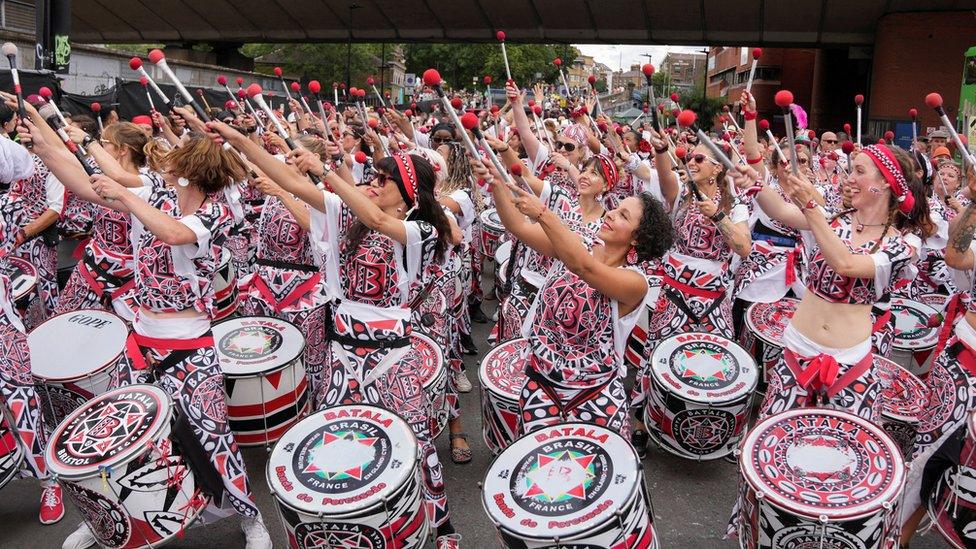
(961, 352)
(791, 257)
(820, 377)
(566, 408)
(952, 310)
(882, 319)
(136, 342)
(297, 293)
(367, 343)
(196, 456)
(88, 272)
(669, 285)
(287, 265)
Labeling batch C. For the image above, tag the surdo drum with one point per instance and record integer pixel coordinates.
(764, 336)
(433, 375)
(502, 255)
(264, 376)
(116, 461)
(502, 375)
(492, 231)
(700, 394)
(903, 398)
(11, 454)
(74, 357)
(23, 281)
(817, 477)
(952, 503)
(936, 301)
(569, 485)
(349, 477)
(226, 294)
(914, 334)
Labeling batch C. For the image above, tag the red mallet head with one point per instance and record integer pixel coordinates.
(45, 92)
(240, 80)
(361, 93)
(144, 81)
(432, 78)
(722, 119)
(96, 107)
(456, 103)
(254, 89)
(756, 53)
(314, 87)
(200, 92)
(847, 147)
(660, 107)
(602, 126)
(487, 80)
(353, 91)
(135, 63)
(537, 110)
(847, 128)
(882, 142)
(687, 118)
(725, 108)
(408, 113)
(342, 85)
(277, 71)
(221, 80)
(531, 103)
(675, 97)
(591, 79)
(156, 56)
(296, 87)
(241, 93)
(646, 108)
(469, 121)
(500, 36)
(230, 104)
(557, 61)
(360, 157)
(811, 135)
(373, 123)
(783, 98)
(370, 80)
(889, 136)
(913, 113)
(413, 106)
(648, 70)
(516, 169)
(675, 112)
(764, 124)
(680, 152)
(933, 100)
(619, 130)
(858, 100)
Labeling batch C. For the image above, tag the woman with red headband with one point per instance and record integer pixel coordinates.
(377, 243)
(587, 305)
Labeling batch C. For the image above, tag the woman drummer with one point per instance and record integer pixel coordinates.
(377, 243)
(586, 307)
(177, 229)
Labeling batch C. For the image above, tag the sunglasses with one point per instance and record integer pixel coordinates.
(441, 140)
(568, 147)
(699, 158)
(830, 141)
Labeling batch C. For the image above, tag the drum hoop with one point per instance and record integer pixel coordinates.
(91, 373)
(921, 344)
(482, 368)
(700, 400)
(277, 368)
(752, 326)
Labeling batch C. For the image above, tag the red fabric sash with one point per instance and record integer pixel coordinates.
(820, 374)
(97, 286)
(135, 342)
(691, 290)
(952, 310)
(791, 266)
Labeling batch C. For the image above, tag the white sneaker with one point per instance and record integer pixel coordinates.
(461, 382)
(80, 538)
(255, 533)
(450, 541)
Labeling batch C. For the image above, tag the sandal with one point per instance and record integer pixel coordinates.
(460, 455)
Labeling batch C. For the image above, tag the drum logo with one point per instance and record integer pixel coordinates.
(911, 324)
(561, 477)
(703, 431)
(342, 456)
(250, 342)
(98, 434)
(704, 366)
(331, 534)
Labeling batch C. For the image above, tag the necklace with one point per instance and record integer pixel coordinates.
(859, 227)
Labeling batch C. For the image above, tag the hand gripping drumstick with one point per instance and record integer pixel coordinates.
(297, 88)
(858, 101)
(784, 98)
(136, 64)
(49, 112)
(934, 101)
(756, 54)
(48, 96)
(470, 122)
(278, 73)
(241, 99)
(10, 50)
(254, 91)
(500, 35)
(158, 58)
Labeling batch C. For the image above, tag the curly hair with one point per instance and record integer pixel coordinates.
(654, 233)
(205, 164)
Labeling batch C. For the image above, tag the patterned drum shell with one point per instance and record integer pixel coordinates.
(349, 474)
(148, 495)
(903, 398)
(568, 485)
(952, 504)
(433, 375)
(264, 376)
(817, 475)
(699, 395)
(226, 293)
(912, 333)
(502, 375)
(73, 358)
(504, 252)
(433, 312)
(23, 281)
(491, 232)
(11, 454)
(765, 323)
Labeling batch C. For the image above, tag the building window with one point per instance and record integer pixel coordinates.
(711, 62)
(17, 15)
(969, 78)
(743, 56)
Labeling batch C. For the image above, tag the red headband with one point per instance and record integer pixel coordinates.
(609, 170)
(888, 165)
(408, 177)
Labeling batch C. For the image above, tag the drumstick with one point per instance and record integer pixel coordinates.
(934, 100)
(487, 81)
(278, 73)
(49, 112)
(314, 87)
(784, 98)
(559, 65)
(204, 98)
(687, 119)
(913, 113)
(372, 83)
(158, 58)
(10, 50)
(648, 70)
(136, 64)
(470, 122)
(681, 153)
(500, 35)
(96, 108)
(432, 79)
(756, 54)
(145, 87)
(254, 91)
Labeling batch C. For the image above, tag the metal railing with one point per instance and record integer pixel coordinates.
(17, 15)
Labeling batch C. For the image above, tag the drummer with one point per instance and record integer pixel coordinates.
(587, 305)
(377, 243)
(952, 378)
(176, 257)
(16, 383)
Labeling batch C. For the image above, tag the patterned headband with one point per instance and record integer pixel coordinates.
(609, 170)
(575, 132)
(888, 165)
(408, 177)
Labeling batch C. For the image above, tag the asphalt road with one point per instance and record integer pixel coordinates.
(691, 500)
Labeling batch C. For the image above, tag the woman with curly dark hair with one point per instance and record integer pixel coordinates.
(586, 307)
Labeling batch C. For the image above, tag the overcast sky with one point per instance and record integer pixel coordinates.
(613, 55)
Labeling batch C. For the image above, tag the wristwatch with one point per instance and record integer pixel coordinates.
(88, 140)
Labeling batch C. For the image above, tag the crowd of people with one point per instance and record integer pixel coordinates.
(343, 225)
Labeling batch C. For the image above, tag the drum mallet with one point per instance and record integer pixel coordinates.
(934, 100)
(136, 64)
(783, 99)
(10, 50)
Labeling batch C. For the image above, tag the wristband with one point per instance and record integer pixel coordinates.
(755, 160)
(750, 115)
(717, 218)
(662, 150)
(87, 141)
(811, 204)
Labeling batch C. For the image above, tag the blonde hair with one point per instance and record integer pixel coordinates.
(142, 149)
(205, 164)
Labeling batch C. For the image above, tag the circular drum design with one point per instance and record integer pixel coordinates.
(571, 485)
(73, 358)
(765, 323)
(952, 504)
(226, 294)
(11, 454)
(492, 231)
(264, 376)
(912, 332)
(433, 375)
(502, 375)
(349, 473)
(150, 495)
(699, 395)
(936, 301)
(903, 398)
(813, 470)
(23, 281)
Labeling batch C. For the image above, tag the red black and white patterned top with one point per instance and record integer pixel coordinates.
(177, 278)
(894, 255)
(281, 238)
(530, 264)
(701, 256)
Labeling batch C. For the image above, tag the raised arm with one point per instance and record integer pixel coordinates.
(670, 184)
(750, 133)
(530, 142)
(959, 254)
(530, 234)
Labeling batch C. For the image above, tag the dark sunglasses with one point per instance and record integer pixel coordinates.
(702, 158)
(441, 140)
(830, 141)
(568, 147)
(802, 161)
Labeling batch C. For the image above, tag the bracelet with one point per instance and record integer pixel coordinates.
(755, 160)
(662, 150)
(87, 141)
(750, 115)
(506, 149)
(717, 218)
(811, 204)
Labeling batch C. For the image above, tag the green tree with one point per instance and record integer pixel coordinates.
(324, 62)
(460, 64)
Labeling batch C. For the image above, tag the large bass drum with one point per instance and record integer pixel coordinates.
(904, 398)
(569, 485)
(763, 337)
(226, 294)
(433, 378)
(502, 375)
(952, 503)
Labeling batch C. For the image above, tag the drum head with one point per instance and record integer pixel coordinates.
(503, 252)
(72, 345)
(768, 320)
(23, 277)
(560, 481)
(704, 368)
(502, 370)
(430, 360)
(936, 301)
(252, 345)
(491, 220)
(108, 430)
(912, 329)
(817, 462)
(342, 460)
(903, 395)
